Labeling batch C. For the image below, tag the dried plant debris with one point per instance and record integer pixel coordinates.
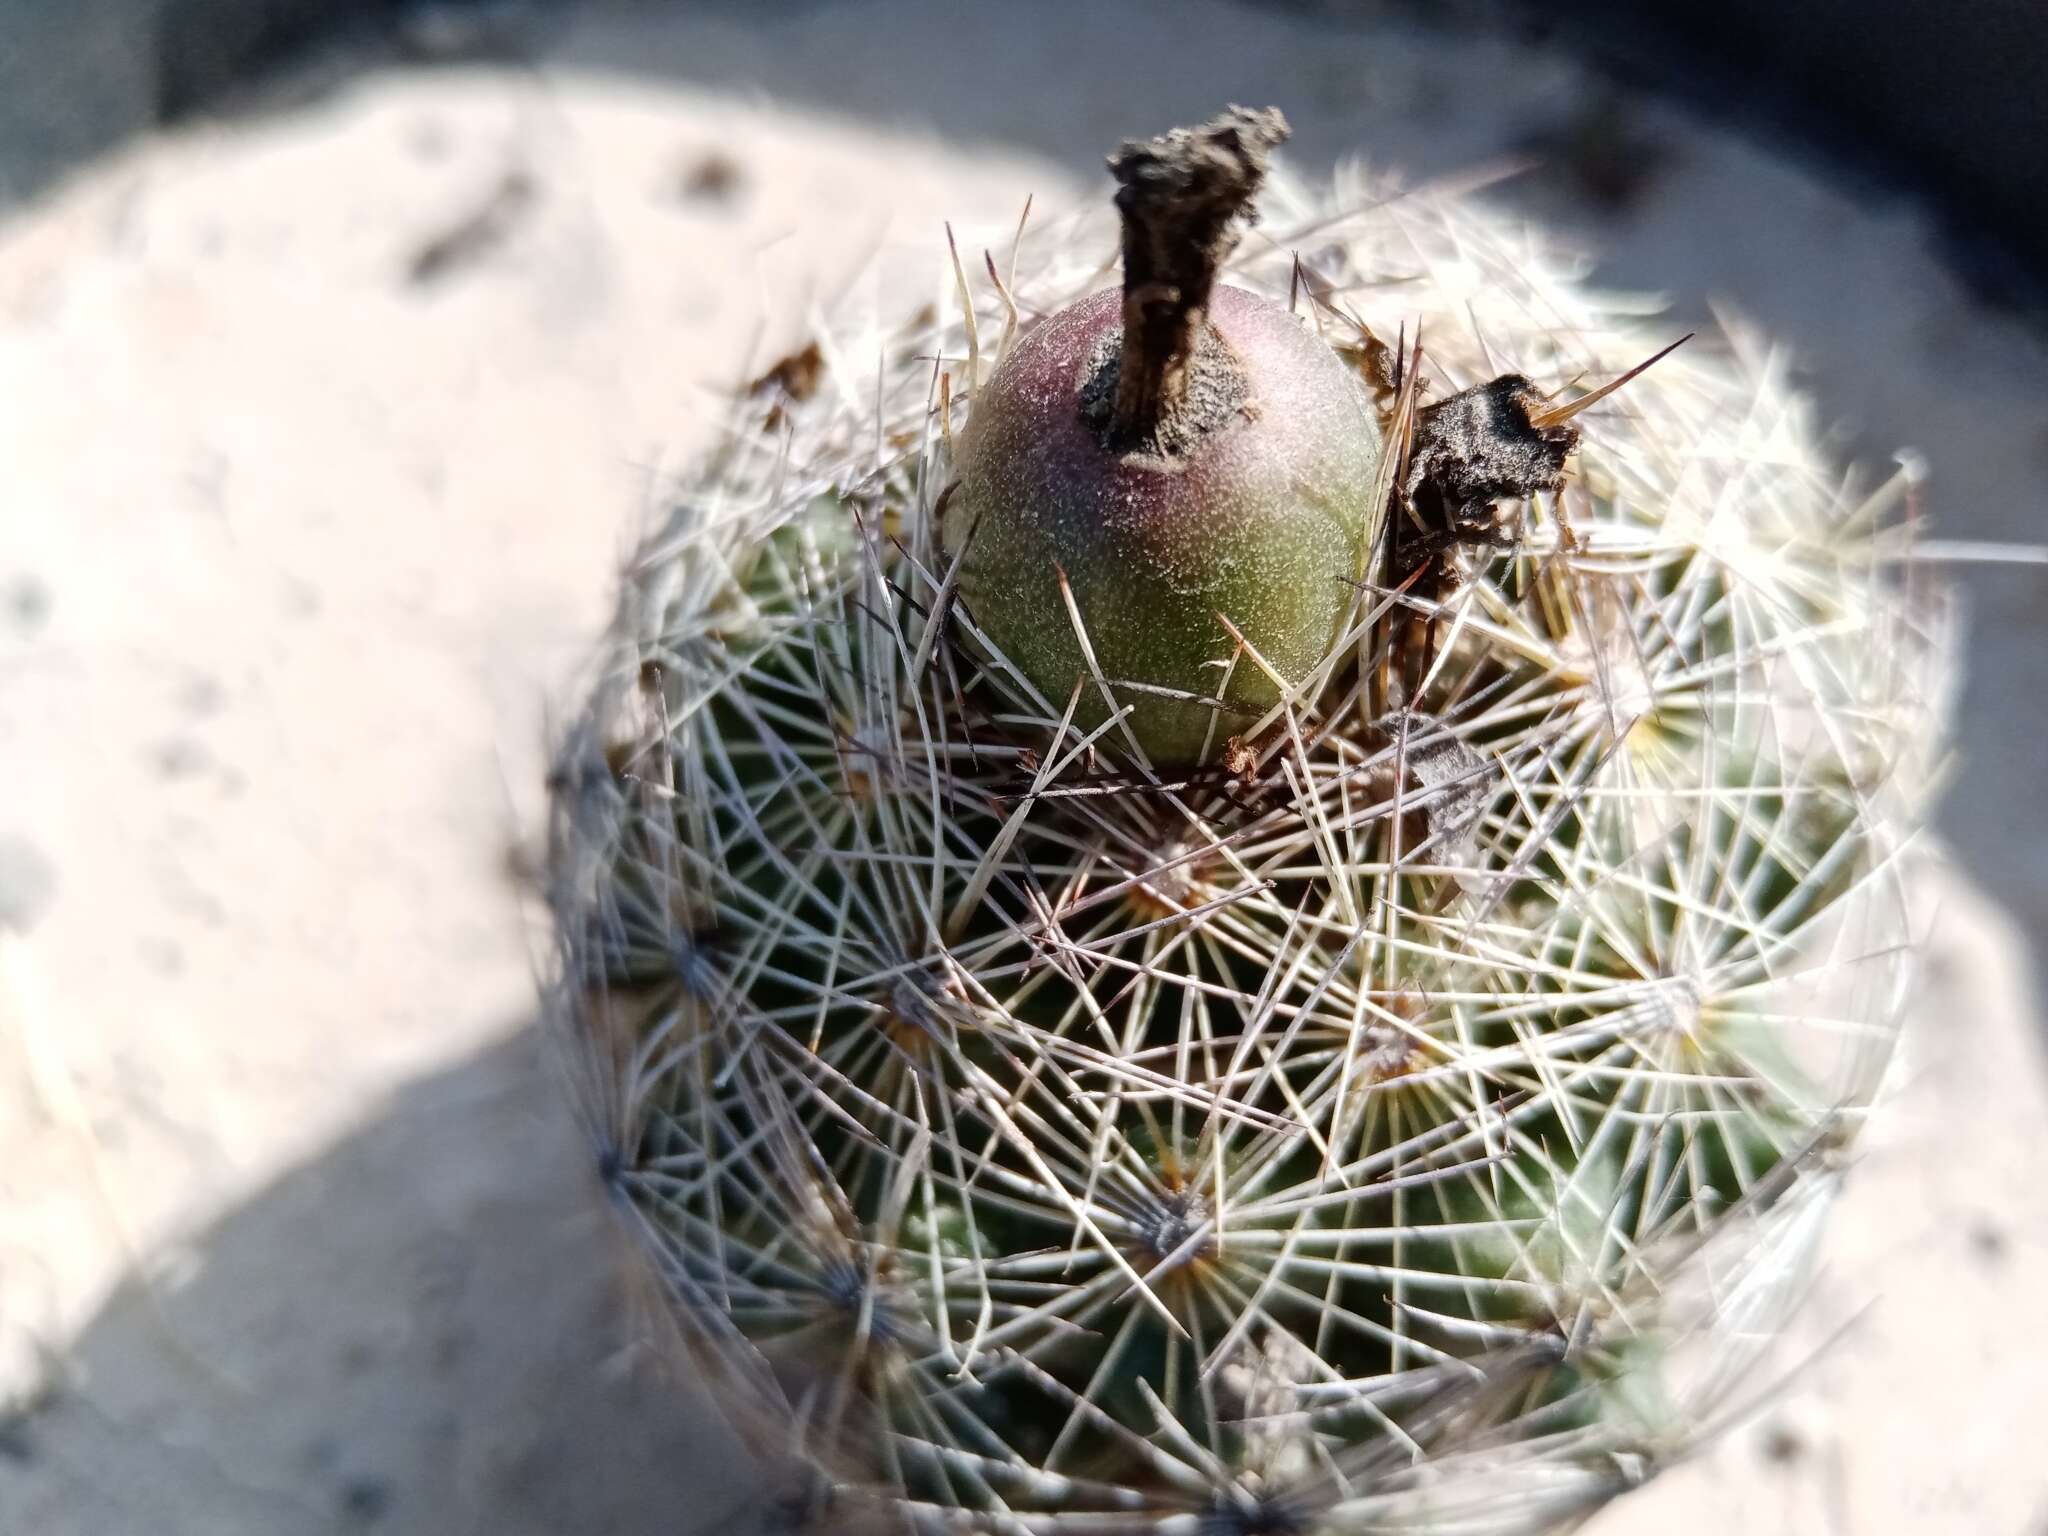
(477, 234)
(711, 177)
(1478, 449)
(1476, 454)
(1181, 197)
(794, 377)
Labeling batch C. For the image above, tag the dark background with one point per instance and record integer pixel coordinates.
(1940, 99)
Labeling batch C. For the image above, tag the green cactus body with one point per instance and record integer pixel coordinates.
(1337, 1148)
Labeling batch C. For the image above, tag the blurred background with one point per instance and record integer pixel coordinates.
(340, 344)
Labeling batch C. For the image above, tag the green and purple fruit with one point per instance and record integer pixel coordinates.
(1246, 495)
(1265, 520)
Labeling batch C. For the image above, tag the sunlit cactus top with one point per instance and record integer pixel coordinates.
(1411, 1120)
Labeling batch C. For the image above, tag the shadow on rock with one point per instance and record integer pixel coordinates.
(401, 1336)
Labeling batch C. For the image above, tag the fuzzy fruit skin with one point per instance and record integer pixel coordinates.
(1267, 520)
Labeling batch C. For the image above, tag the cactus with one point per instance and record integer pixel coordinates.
(1409, 1112)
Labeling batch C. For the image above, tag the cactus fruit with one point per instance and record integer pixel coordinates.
(1405, 1109)
(1167, 470)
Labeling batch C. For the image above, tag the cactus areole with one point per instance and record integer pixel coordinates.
(1165, 496)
